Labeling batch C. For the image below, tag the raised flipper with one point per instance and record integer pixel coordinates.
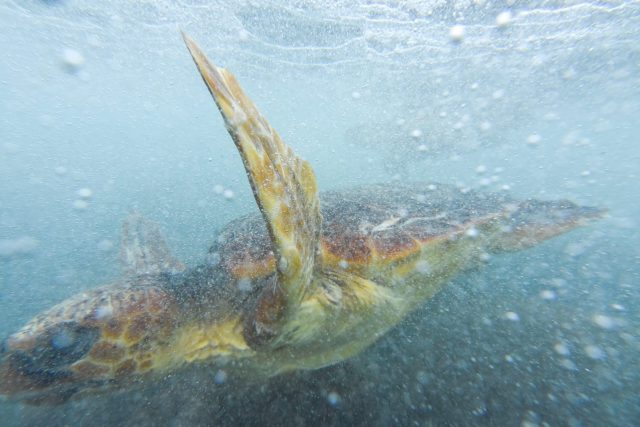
(285, 189)
(143, 250)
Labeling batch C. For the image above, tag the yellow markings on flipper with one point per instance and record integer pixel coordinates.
(204, 341)
(285, 189)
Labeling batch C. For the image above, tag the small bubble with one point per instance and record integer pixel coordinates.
(103, 312)
(456, 33)
(416, 133)
(423, 147)
(511, 315)
(605, 322)
(72, 60)
(485, 126)
(505, 187)
(333, 398)
(343, 264)
(220, 377)
(62, 339)
(562, 349)
(423, 267)
(568, 364)
(509, 358)
(617, 307)
(244, 285)
(84, 193)
(218, 189)
(498, 94)
(503, 19)
(594, 352)
(243, 35)
(533, 139)
(548, 295)
(423, 377)
(105, 245)
(80, 205)
(356, 95)
(228, 194)
(472, 232)
(60, 170)
(481, 169)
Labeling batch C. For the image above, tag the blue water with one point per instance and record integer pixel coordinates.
(102, 112)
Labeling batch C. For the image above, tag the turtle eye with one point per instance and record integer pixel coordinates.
(63, 345)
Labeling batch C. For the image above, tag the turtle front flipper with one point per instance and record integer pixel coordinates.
(285, 189)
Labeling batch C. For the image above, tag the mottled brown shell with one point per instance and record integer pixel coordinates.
(365, 225)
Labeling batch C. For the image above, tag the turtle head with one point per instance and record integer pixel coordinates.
(94, 341)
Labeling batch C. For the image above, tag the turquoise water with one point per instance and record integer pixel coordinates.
(102, 112)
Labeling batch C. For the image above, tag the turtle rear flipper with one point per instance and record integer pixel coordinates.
(143, 250)
(285, 189)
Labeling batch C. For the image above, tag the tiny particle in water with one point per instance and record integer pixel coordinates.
(498, 94)
(605, 322)
(568, 364)
(60, 170)
(423, 267)
(80, 204)
(509, 358)
(220, 377)
(212, 259)
(333, 398)
(594, 352)
(423, 147)
(585, 173)
(228, 194)
(421, 198)
(416, 133)
(356, 95)
(617, 307)
(103, 312)
(84, 193)
(548, 295)
(423, 377)
(474, 86)
(505, 187)
(343, 264)
(244, 285)
(472, 232)
(533, 139)
(243, 35)
(485, 126)
(456, 33)
(562, 349)
(105, 245)
(503, 19)
(511, 315)
(72, 60)
(62, 339)
(432, 187)
(481, 169)
(400, 122)
(218, 189)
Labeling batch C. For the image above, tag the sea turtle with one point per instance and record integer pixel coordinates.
(315, 279)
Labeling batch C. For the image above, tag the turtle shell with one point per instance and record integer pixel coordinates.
(364, 226)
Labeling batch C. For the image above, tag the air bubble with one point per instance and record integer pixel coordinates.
(456, 33)
(72, 60)
(594, 352)
(228, 194)
(218, 189)
(220, 377)
(548, 295)
(533, 139)
(562, 349)
(605, 322)
(504, 19)
(416, 133)
(333, 398)
(511, 315)
(356, 95)
(84, 193)
(343, 264)
(80, 205)
(481, 169)
(60, 170)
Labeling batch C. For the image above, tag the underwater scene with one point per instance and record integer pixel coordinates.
(322, 212)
